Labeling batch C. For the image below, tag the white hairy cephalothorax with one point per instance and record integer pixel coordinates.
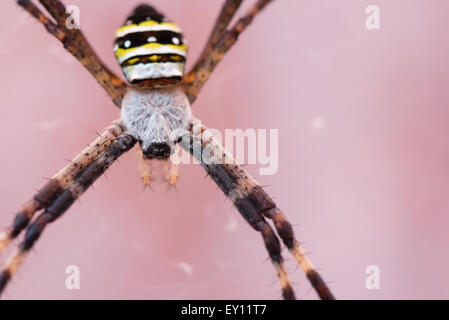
(156, 115)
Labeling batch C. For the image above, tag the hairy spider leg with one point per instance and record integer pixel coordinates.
(227, 174)
(75, 43)
(63, 201)
(195, 79)
(227, 12)
(59, 181)
(250, 200)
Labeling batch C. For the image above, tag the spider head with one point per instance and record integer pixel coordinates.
(150, 50)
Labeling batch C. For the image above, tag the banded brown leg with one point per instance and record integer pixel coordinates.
(229, 179)
(253, 203)
(202, 70)
(75, 42)
(227, 12)
(59, 181)
(63, 201)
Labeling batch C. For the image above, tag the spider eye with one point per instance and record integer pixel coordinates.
(129, 22)
(127, 43)
(115, 47)
(175, 40)
(151, 39)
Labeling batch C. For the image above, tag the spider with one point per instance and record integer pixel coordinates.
(155, 103)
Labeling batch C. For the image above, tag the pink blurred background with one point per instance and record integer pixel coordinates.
(363, 155)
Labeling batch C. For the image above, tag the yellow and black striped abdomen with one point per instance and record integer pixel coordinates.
(148, 47)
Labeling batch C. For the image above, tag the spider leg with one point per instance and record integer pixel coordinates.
(171, 167)
(75, 42)
(63, 201)
(228, 178)
(198, 76)
(227, 12)
(249, 198)
(144, 167)
(59, 181)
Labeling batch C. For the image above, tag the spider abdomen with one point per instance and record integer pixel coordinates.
(156, 118)
(150, 49)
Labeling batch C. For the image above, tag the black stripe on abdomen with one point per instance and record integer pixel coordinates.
(138, 39)
(153, 58)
